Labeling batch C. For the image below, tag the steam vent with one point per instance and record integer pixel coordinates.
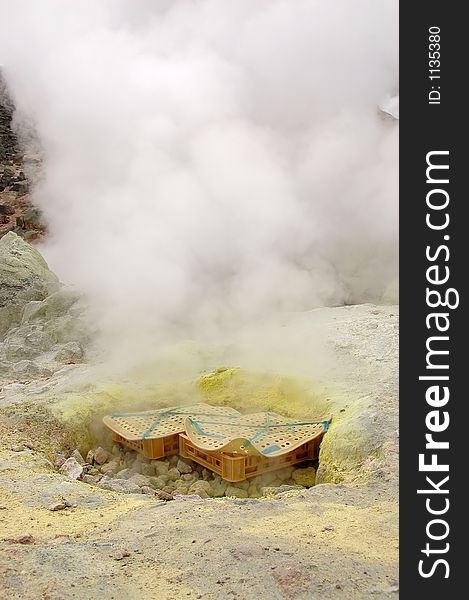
(234, 446)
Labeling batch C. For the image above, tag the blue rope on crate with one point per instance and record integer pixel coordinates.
(324, 423)
(196, 424)
(265, 427)
(164, 413)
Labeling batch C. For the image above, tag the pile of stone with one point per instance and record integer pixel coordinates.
(13, 179)
(8, 142)
(17, 166)
(122, 470)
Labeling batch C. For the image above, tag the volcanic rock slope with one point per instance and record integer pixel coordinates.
(337, 539)
(39, 325)
(16, 211)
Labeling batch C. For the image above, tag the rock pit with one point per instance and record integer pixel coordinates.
(128, 472)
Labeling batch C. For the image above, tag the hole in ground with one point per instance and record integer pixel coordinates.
(124, 470)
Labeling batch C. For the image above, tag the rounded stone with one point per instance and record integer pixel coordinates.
(140, 480)
(236, 492)
(72, 468)
(161, 467)
(173, 474)
(201, 486)
(183, 467)
(305, 477)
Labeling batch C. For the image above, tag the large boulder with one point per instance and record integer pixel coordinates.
(24, 277)
(41, 325)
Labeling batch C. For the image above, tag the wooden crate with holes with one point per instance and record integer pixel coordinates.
(249, 445)
(238, 467)
(150, 448)
(155, 434)
(234, 446)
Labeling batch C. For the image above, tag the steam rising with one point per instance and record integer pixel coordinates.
(207, 162)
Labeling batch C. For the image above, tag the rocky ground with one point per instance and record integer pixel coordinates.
(16, 211)
(81, 518)
(129, 472)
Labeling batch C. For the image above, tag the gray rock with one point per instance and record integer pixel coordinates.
(119, 485)
(58, 506)
(162, 495)
(71, 468)
(173, 460)
(289, 488)
(265, 480)
(135, 466)
(40, 323)
(284, 474)
(28, 369)
(69, 353)
(235, 492)
(183, 467)
(161, 467)
(59, 460)
(24, 276)
(5, 209)
(101, 456)
(201, 488)
(147, 469)
(27, 342)
(17, 448)
(31, 217)
(30, 309)
(173, 474)
(8, 174)
(243, 485)
(305, 477)
(112, 467)
(129, 456)
(142, 459)
(158, 482)
(91, 479)
(218, 486)
(140, 480)
(56, 305)
(200, 493)
(78, 457)
(22, 187)
(89, 470)
(124, 474)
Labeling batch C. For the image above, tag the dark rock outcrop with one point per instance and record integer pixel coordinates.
(16, 211)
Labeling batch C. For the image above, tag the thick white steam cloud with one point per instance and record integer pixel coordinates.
(210, 161)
